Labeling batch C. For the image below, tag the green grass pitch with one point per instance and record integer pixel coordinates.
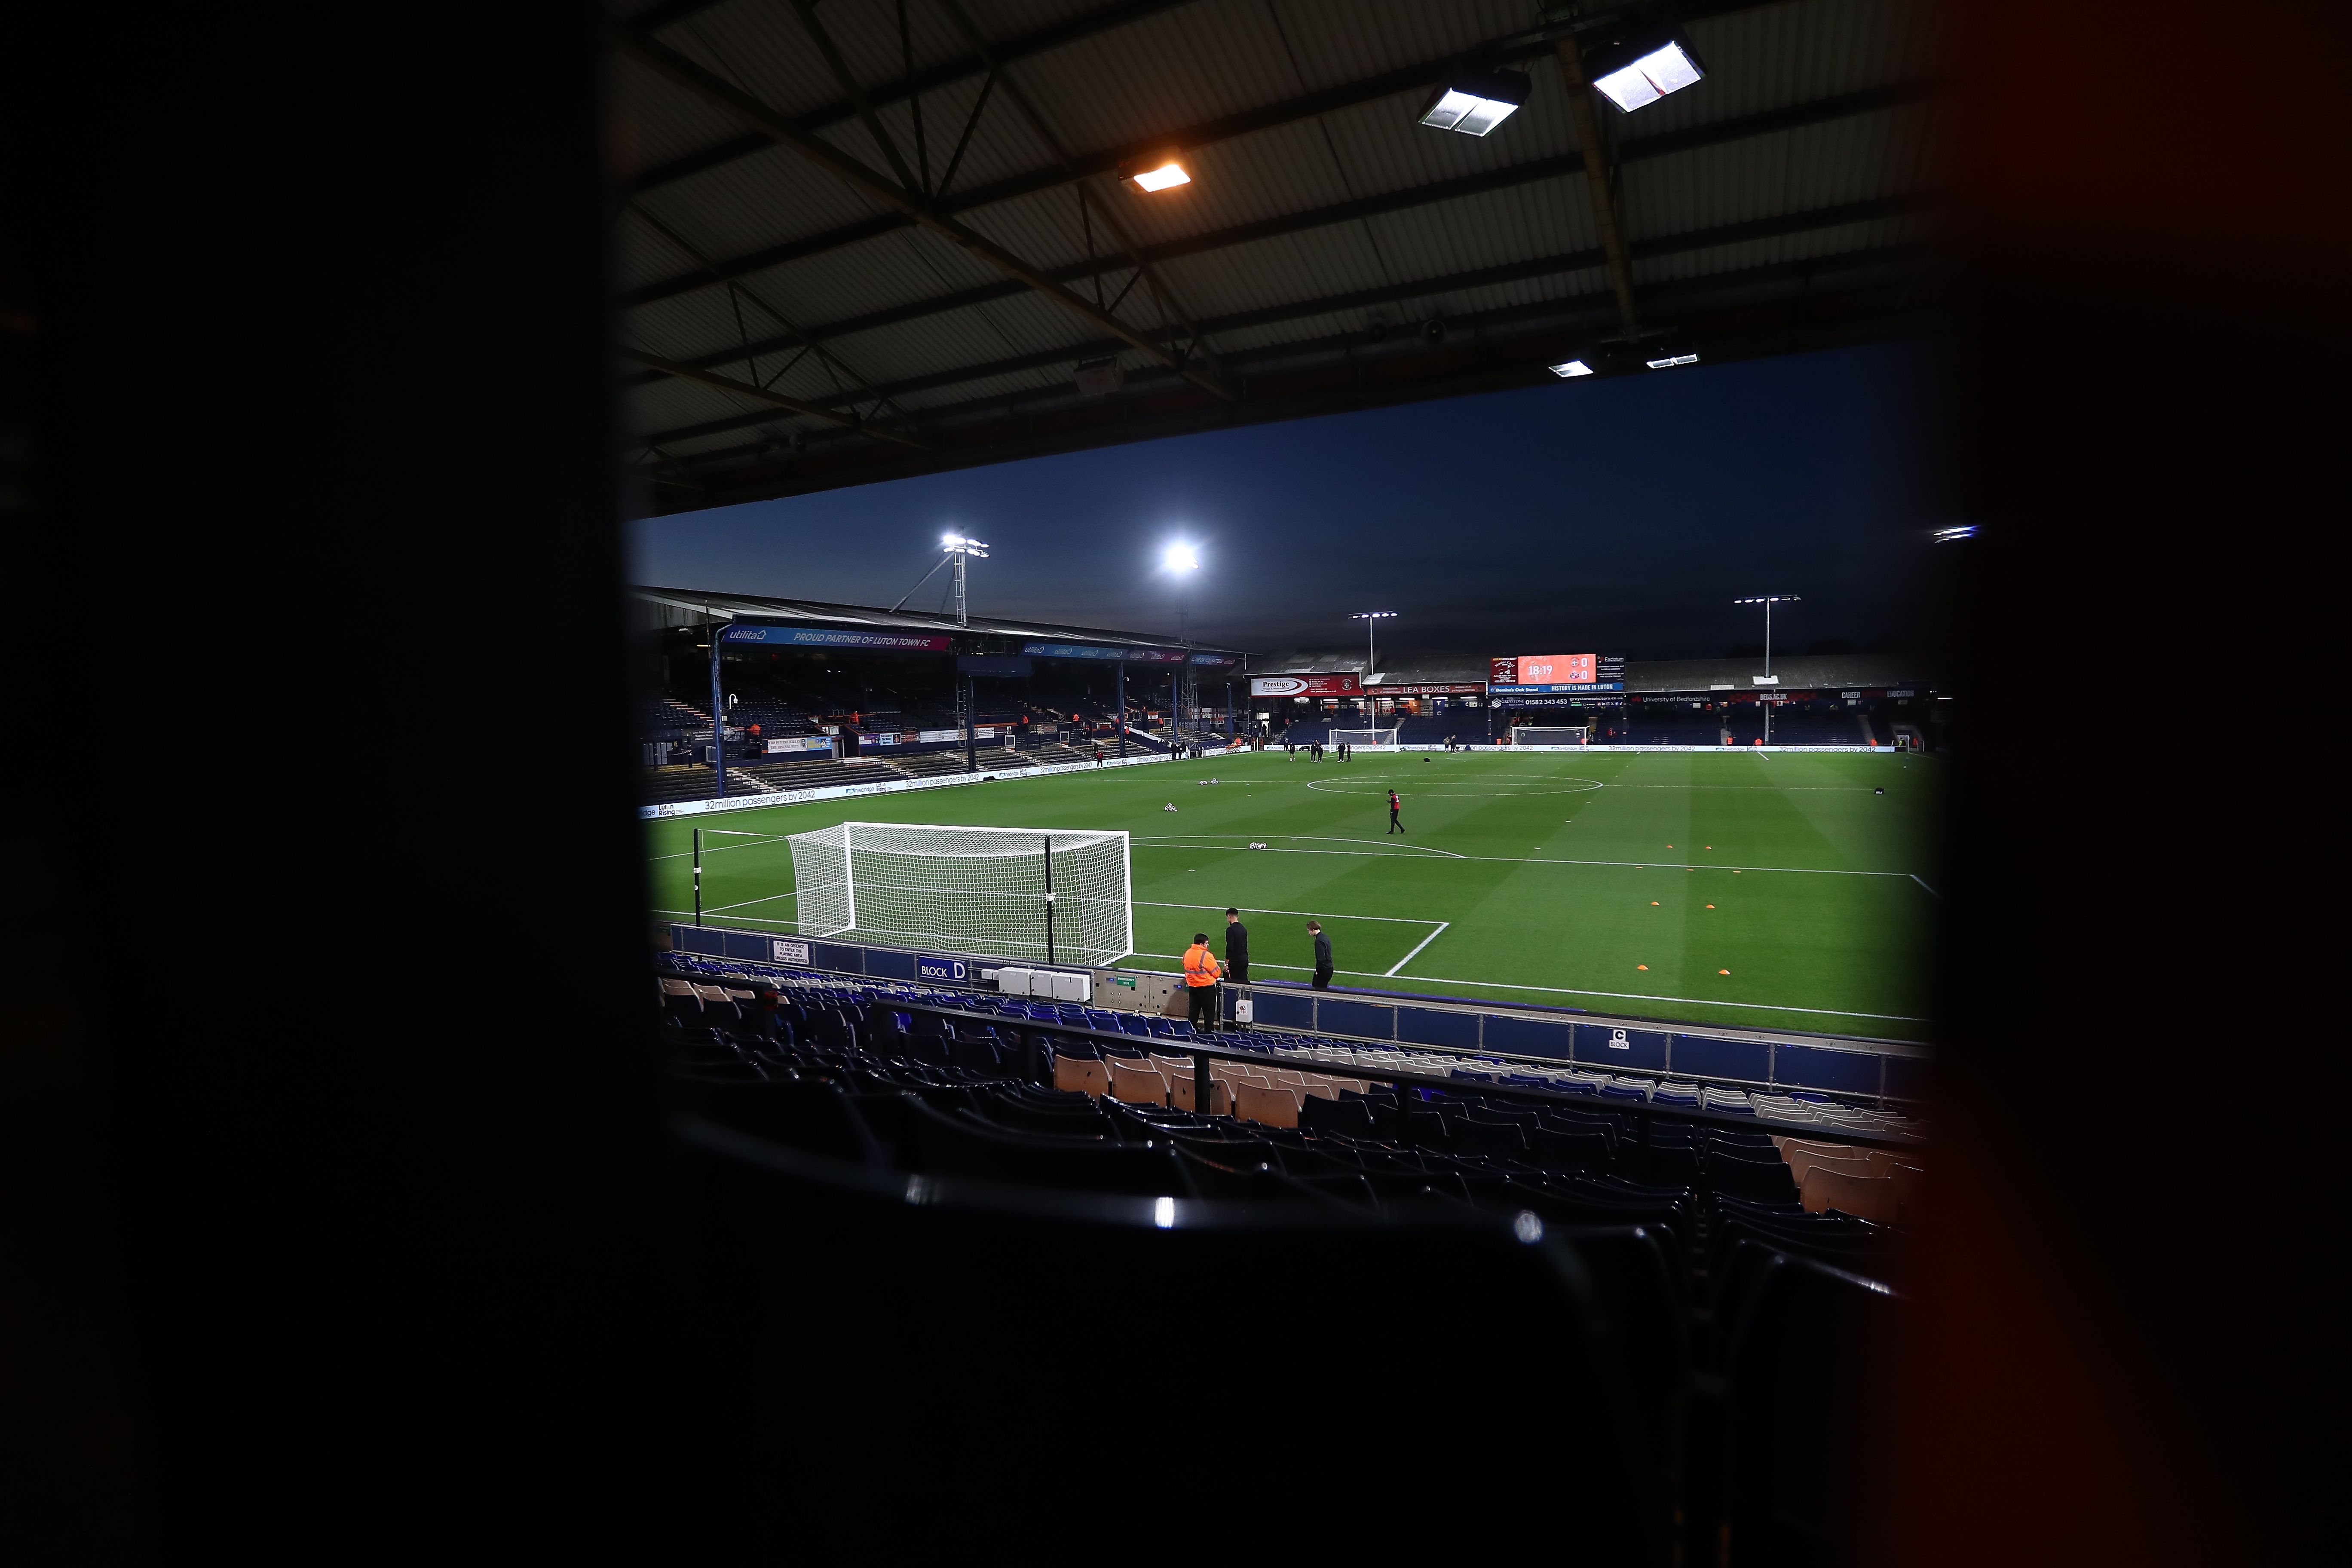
(1625, 883)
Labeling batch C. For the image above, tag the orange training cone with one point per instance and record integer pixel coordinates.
(1723, 972)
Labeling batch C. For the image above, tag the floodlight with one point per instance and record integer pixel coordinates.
(1574, 367)
(1945, 535)
(1475, 102)
(1165, 178)
(1642, 67)
(1670, 361)
(1179, 558)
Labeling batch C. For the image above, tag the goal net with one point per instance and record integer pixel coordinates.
(1359, 739)
(1550, 734)
(1059, 895)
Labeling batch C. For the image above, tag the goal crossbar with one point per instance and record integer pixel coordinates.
(1363, 738)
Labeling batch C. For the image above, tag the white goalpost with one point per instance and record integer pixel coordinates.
(1550, 734)
(1364, 740)
(1055, 895)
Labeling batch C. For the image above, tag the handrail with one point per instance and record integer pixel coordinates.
(1204, 1053)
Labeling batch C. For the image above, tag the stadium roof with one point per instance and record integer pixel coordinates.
(681, 607)
(866, 238)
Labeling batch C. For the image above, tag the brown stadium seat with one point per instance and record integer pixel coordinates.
(1865, 1197)
(1082, 1074)
(1277, 1105)
(1136, 1084)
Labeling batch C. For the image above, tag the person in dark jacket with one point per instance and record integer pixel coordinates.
(1236, 948)
(1322, 955)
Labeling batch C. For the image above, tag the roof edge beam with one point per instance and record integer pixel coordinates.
(778, 399)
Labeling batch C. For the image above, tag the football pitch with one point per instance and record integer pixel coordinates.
(1768, 890)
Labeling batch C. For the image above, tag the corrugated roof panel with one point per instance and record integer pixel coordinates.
(1773, 56)
(1179, 67)
(1802, 246)
(654, 121)
(1791, 171)
(1337, 41)
(743, 207)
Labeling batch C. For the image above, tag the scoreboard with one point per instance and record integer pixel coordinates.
(1545, 674)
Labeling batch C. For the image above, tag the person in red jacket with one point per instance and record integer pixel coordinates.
(1394, 805)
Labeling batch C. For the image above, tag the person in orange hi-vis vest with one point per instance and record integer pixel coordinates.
(1201, 976)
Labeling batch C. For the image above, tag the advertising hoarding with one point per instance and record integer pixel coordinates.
(1345, 684)
(826, 636)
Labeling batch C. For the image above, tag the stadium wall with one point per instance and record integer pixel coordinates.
(1782, 1060)
(893, 786)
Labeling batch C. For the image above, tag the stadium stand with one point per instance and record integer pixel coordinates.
(815, 771)
(1712, 1262)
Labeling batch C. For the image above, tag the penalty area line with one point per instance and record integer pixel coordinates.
(1687, 1001)
(1409, 957)
(1311, 914)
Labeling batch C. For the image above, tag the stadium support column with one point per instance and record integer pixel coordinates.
(965, 701)
(718, 714)
(1122, 707)
(1231, 734)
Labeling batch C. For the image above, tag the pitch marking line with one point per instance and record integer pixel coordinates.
(1643, 997)
(747, 903)
(755, 919)
(1175, 841)
(1931, 892)
(1531, 861)
(715, 848)
(1409, 957)
(1311, 914)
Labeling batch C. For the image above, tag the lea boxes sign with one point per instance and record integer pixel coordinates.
(1343, 685)
(1530, 673)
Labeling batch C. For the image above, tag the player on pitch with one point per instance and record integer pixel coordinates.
(1394, 805)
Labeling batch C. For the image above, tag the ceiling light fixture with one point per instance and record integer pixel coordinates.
(1475, 102)
(1642, 67)
(1668, 362)
(1574, 367)
(1164, 175)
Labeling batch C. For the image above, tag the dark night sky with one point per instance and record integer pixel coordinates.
(1617, 516)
